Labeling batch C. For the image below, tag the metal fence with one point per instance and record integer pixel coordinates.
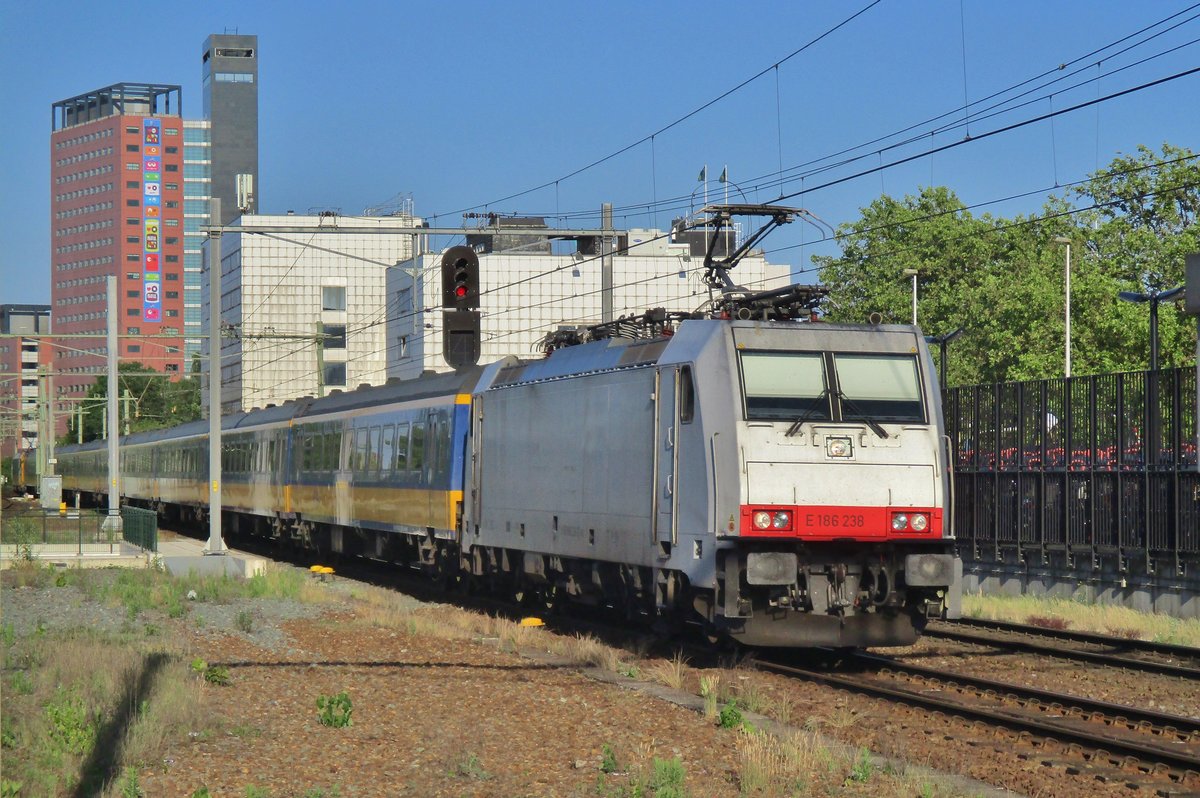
(1102, 466)
(30, 531)
(140, 527)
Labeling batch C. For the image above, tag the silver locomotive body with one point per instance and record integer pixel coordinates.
(782, 483)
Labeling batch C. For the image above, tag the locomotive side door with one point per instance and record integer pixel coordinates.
(664, 519)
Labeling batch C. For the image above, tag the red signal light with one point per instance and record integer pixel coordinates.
(460, 290)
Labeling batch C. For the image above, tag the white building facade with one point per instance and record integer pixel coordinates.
(283, 292)
(525, 295)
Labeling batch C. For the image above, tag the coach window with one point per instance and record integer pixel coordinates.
(416, 457)
(387, 450)
(360, 450)
(402, 447)
(309, 460)
(373, 450)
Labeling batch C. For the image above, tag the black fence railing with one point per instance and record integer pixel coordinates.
(1101, 466)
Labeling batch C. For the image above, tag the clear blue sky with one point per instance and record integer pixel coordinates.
(463, 103)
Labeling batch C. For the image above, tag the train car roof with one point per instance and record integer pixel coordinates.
(423, 387)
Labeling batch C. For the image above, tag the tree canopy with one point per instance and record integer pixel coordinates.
(155, 401)
(1002, 279)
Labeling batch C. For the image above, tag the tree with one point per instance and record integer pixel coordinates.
(155, 401)
(1002, 280)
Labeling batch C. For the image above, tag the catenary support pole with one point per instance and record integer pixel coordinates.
(112, 524)
(215, 543)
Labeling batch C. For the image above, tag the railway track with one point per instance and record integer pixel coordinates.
(1111, 741)
(1136, 655)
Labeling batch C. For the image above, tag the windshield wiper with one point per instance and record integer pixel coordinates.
(807, 414)
(849, 404)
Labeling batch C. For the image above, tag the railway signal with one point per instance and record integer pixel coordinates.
(460, 279)
(460, 298)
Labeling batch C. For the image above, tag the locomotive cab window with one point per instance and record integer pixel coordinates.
(785, 386)
(879, 387)
(687, 396)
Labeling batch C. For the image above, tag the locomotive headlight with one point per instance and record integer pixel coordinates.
(839, 447)
(782, 520)
(919, 522)
(899, 522)
(762, 519)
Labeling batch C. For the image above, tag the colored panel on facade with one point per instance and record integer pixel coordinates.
(151, 202)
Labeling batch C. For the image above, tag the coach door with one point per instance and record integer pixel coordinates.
(666, 459)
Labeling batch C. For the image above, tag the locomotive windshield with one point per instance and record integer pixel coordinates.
(879, 387)
(796, 386)
(785, 385)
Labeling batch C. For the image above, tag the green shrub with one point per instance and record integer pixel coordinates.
(335, 710)
(218, 675)
(608, 760)
(70, 723)
(730, 717)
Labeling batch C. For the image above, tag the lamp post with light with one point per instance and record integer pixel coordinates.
(913, 273)
(942, 341)
(1152, 410)
(1154, 298)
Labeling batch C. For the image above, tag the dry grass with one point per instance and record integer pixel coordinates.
(670, 672)
(587, 650)
(1071, 614)
(778, 766)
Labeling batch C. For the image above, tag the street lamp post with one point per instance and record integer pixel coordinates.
(913, 273)
(1154, 298)
(1152, 409)
(1067, 293)
(942, 341)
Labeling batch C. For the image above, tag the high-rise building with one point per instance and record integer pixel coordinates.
(21, 379)
(197, 188)
(116, 179)
(110, 208)
(230, 90)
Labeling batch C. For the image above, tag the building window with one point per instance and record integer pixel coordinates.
(172, 367)
(135, 348)
(333, 297)
(131, 148)
(131, 311)
(133, 257)
(132, 239)
(172, 150)
(171, 276)
(172, 167)
(132, 294)
(132, 184)
(133, 330)
(172, 239)
(132, 203)
(172, 313)
(170, 131)
(172, 259)
(335, 335)
(134, 222)
(335, 374)
(131, 167)
(172, 295)
(132, 130)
